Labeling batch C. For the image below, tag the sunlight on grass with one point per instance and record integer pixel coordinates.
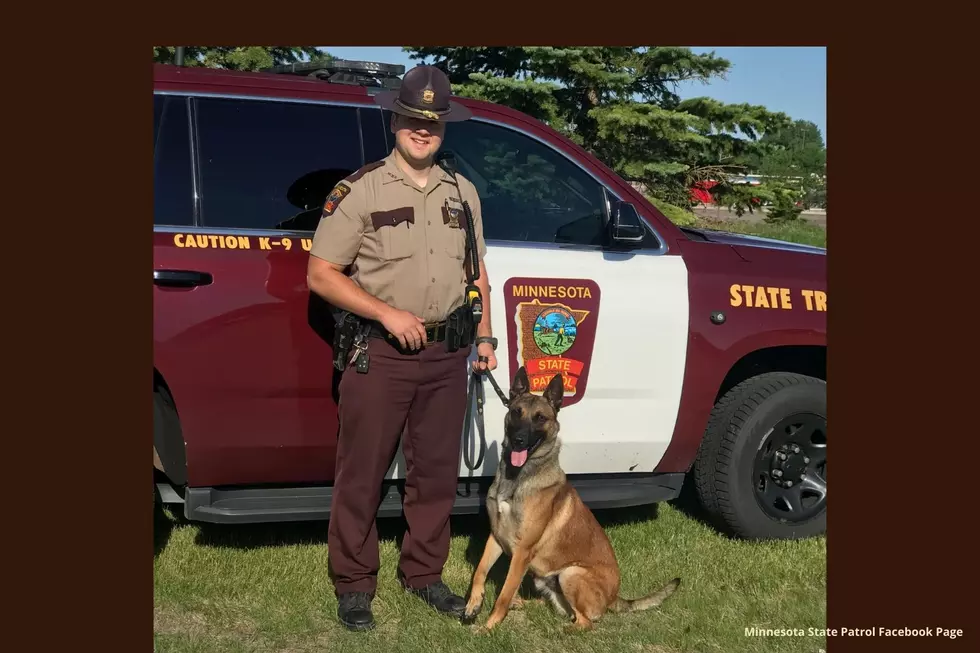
(265, 588)
(797, 231)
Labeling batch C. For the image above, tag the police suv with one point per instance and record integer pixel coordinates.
(685, 353)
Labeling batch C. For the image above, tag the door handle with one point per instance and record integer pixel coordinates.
(181, 278)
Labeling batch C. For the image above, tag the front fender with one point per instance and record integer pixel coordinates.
(721, 282)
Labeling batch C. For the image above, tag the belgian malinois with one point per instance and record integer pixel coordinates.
(540, 521)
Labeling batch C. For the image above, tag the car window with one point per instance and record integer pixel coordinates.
(173, 193)
(386, 122)
(377, 137)
(271, 165)
(528, 191)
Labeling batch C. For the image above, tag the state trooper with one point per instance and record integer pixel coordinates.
(401, 226)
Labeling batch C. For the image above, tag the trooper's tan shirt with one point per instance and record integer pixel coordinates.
(406, 244)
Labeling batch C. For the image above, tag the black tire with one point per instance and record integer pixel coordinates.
(760, 419)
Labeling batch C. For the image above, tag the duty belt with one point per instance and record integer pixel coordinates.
(433, 332)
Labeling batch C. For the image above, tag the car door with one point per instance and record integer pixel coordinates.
(235, 326)
(613, 323)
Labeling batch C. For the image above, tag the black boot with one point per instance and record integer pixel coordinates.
(354, 610)
(441, 598)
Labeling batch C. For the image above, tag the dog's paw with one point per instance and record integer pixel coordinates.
(578, 626)
(519, 603)
(472, 610)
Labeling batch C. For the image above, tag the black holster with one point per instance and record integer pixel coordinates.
(460, 329)
(348, 326)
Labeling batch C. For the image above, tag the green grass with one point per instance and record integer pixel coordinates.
(679, 216)
(548, 343)
(265, 588)
(798, 231)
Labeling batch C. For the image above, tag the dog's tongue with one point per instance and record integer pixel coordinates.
(518, 458)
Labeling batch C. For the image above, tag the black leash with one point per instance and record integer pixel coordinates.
(500, 393)
(476, 388)
(447, 161)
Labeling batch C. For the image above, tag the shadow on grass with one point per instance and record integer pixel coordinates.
(688, 504)
(476, 528)
(163, 526)
(164, 522)
(251, 536)
(480, 531)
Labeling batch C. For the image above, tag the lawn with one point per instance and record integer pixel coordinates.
(265, 588)
(796, 231)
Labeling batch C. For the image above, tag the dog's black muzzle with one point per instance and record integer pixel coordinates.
(521, 439)
(524, 439)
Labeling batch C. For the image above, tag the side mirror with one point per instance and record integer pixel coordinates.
(625, 227)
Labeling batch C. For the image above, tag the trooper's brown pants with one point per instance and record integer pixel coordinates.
(425, 392)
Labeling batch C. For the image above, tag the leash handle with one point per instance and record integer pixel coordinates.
(500, 393)
(475, 388)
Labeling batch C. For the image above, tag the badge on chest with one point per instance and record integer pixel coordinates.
(452, 213)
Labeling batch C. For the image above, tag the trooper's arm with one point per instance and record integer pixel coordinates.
(327, 279)
(335, 246)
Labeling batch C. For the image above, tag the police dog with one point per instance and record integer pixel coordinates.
(540, 521)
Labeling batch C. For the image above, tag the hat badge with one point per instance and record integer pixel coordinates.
(428, 95)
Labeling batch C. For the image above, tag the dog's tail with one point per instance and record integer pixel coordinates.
(646, 602)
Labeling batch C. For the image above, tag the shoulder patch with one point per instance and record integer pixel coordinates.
(363, 171)
(336, 196)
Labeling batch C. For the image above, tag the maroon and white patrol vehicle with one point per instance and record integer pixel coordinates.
(685, 353)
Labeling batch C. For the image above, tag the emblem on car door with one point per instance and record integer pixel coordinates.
(551, 328)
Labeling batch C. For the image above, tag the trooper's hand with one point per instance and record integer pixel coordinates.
(485, 349)
(408, 328)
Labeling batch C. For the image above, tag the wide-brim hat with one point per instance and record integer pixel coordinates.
(424, 94)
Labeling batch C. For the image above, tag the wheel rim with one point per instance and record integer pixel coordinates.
(790, 469)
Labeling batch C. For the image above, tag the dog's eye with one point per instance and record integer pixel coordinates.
(515, 413)
(540, 419)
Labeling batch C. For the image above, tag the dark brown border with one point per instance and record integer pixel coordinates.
(898, 547)
(897, 537)
(77, 477)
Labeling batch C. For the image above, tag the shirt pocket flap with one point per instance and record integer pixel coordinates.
(394, 236)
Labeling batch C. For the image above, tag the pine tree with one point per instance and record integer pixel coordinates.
(251, 58)
(620, 104)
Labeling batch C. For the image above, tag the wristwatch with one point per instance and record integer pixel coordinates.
(483, 339)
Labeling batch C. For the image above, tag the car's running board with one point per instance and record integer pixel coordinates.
(254, 505)
(168, 494)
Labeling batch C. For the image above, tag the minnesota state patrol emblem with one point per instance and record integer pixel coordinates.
(551, 329)
(339, 192)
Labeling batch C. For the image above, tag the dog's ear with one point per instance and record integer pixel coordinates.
(520, 385)
(555, 391)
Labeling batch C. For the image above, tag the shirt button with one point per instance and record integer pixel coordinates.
(430, 223)
(432, 251)
(433, 279)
